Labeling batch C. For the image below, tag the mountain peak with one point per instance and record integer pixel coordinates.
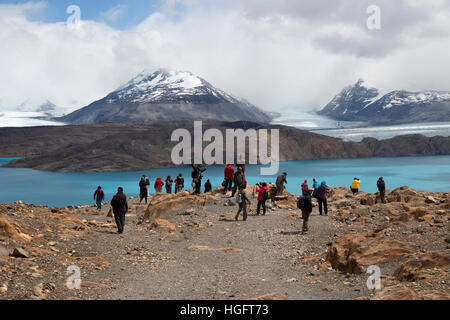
(363, 103)
(166, 94)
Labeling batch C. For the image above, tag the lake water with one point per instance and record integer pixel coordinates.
(62, 189)
(356, 131)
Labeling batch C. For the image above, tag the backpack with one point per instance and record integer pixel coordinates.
(316, 193)
(239, 198)
(266, 195)
(301, 203)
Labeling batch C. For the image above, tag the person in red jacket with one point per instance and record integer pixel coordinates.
(305, 188)
(99, 196)
(229, 175)
(158, 185)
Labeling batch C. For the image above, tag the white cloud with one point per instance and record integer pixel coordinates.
(112, 14)
(276, 54)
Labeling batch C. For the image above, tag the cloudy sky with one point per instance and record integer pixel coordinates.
(278, 54)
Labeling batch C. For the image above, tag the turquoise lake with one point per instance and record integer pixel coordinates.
(63, 189)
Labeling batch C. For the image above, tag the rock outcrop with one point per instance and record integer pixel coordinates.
(163, 204)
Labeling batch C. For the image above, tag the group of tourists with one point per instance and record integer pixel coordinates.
(234, 182)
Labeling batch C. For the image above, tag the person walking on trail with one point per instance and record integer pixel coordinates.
(229, 175)
(262, 190)
(382, 189)
(197, 176)
(169, 182)
(99, 196)
(239, 180)
(208, 186)
(355, 185)
(179, 183)
(158, 185)
(281, 180)
(305, 205)
(242, 201)
(119, 205)
(143, 191)
(322, 198)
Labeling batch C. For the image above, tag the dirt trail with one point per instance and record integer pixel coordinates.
(149, 264)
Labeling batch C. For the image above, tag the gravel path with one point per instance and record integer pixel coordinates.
(150, 264)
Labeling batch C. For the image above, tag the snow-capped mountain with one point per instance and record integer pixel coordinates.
(361, 103)
(37, 105)
(167, 95)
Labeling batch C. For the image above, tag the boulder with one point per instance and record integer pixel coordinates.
(435, 295)
(397, 292)
(272, 296)
(7, 230)
(19, 253)
(417, 265)
(164, 226)
(4, 252)
(430, 199)
(206, 248)
(352, 253)
(163, 204)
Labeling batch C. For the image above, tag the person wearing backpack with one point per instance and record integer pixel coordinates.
(239, 180)
(382, 189)
(99, 196)
(322, 197)
(263, 194)
(305, 205)
(242, 201)
(305, 187)
(119, 206)
(355, 185)
(208, 186)
(143, 191)
(197, 176)
(315, 193)
(179, 183)
(169, 183)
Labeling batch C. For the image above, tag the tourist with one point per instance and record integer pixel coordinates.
(281, 180)
(158, 185)
(315, 184)
(305, 187)
(147, 184)
(179, 183)
(119, 205)
(355, 185)
(143, 191)
(197, 176)
(322, 197)
(169, 182)
(263, 194)
(239, 179)
(243, 200)
(315, 187)
(99, 196)
(229, 175)
(382, 189)
(306, 208)
(208, 186)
